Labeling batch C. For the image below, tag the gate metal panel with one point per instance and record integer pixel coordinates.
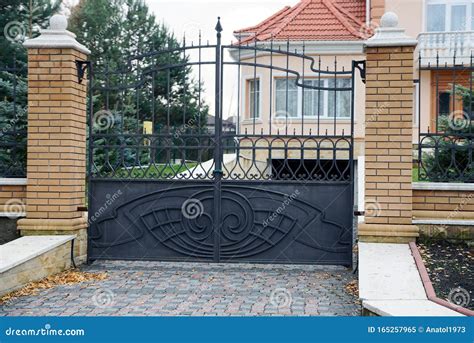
(283, 198)
(277, 223)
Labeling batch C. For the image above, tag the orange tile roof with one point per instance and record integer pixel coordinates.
(320, 20)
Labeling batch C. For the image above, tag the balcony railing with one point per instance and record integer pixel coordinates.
(445, 45)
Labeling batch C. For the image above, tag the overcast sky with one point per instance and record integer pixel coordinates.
(190, 16)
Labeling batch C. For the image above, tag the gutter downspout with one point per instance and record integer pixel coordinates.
(367, 12)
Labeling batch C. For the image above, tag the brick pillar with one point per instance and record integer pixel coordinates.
(56, 136)
(388, 136)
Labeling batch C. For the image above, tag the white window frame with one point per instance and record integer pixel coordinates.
(447, 20)
(246, 99)
(324, 98)
(416, 90)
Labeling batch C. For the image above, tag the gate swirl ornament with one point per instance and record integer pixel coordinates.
(181, 222)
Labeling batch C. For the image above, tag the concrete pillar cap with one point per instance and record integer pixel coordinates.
(56, 37)
(389, 34)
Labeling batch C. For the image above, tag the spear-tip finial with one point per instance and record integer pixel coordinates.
(218, 25)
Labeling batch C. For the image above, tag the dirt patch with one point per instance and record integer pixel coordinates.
(8, 231)
(451, 270)
(68, 277)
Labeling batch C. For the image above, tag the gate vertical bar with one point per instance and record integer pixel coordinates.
(351, 158)
(218, 145)
(90, 159)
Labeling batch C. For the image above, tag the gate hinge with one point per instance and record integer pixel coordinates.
(81, 67)
(359, 213)
(360, 65)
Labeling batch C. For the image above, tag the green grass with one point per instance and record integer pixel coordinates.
(415, 174)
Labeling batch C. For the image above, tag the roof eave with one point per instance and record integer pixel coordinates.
(349, 47)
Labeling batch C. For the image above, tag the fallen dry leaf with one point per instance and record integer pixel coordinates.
(68, 277)
(352, 288)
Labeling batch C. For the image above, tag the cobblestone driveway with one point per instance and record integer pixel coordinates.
(160, 288)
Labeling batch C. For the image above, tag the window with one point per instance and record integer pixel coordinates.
(449, 15)
(342, 99)
(254, 98)
(286, 98)
(444, 103)
(313, 98)
(458, 18)
(472, 18)
(436, 17)
(312, 102)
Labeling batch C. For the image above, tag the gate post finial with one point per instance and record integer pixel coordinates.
(218, 25)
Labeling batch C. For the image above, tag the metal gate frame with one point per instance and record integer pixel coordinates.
(230, 192)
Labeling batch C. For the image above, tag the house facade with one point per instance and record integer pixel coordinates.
(325, 29)
(333, 34)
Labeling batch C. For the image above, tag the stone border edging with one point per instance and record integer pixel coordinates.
(13, 181)
(430, 292)
(56, 241)
(442, 186)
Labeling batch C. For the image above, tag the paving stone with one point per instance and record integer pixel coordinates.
(196, 289)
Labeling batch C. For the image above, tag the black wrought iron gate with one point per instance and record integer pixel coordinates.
(272, 182)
